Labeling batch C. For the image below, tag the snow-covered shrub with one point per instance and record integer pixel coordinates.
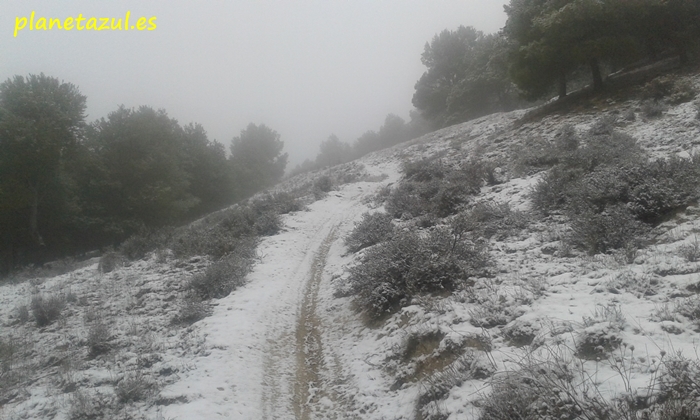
(409, 264)
(437, 386)
(534, 155)
(407, 199)
(47, 309)
(98, 338)
(110, 261)
(488, 220)
(191, 309)
(224, 276)
(548, 385)
(432, 188)
(372, 229)
(216, 240)
(279, 202)
(652, 109)
(690, 252)
(679, 386)
(323, 185)
(140, 244)
(267, 224)
(613, 228)
(610, 191)
(89, 406)
(134, 387)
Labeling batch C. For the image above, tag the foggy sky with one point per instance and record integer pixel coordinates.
(305, 68)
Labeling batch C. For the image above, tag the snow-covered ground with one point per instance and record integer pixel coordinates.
(285, 346)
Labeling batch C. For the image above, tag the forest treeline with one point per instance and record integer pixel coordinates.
(68, 186)
(544, 48)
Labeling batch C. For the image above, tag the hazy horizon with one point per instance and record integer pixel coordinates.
(307, 69)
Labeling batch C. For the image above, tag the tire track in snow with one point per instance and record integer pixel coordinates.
(309, 389)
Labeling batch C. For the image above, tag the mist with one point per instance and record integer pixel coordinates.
(307, 69)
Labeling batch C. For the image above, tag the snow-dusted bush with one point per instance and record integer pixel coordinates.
(432, 188)
(191, 309)
(219, 239)
(89, 406)
(110, 261)
(134, 387)
(652, 109)
(267, 224)
(279, 203)
(409, 264)
(47, 309)
(372, 229)
(610, 190)
(488, 219)
(98, 338)
(613, 228)
(323, 184)
(224, 276)
(140, 244)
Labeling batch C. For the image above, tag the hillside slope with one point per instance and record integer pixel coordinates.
(293, 342)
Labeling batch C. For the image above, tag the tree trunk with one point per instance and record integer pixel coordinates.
(33, 218)
(595, 72)
(562, 85)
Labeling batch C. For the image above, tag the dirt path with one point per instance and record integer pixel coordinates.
(309, 389)
(268, 350)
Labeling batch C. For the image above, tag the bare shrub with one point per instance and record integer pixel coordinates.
(437, 386)
(134, 387)
(372, 229)
(691, 251)
(47, 309)
(92, 406)
(653, 109)
(409, 264)
(548, 385)
(98, 339)
(191, 309)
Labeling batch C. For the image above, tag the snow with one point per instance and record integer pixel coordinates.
(286, 346)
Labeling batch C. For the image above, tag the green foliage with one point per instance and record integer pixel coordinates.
(409, 264)
(611, 192)
(257, 161)
(41, 123)
(552, 39)
(372, 229)
(466, 77)
(333, 152)
(141, 151)
(430, 187)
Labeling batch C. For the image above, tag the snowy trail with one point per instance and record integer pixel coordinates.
(266, 356)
